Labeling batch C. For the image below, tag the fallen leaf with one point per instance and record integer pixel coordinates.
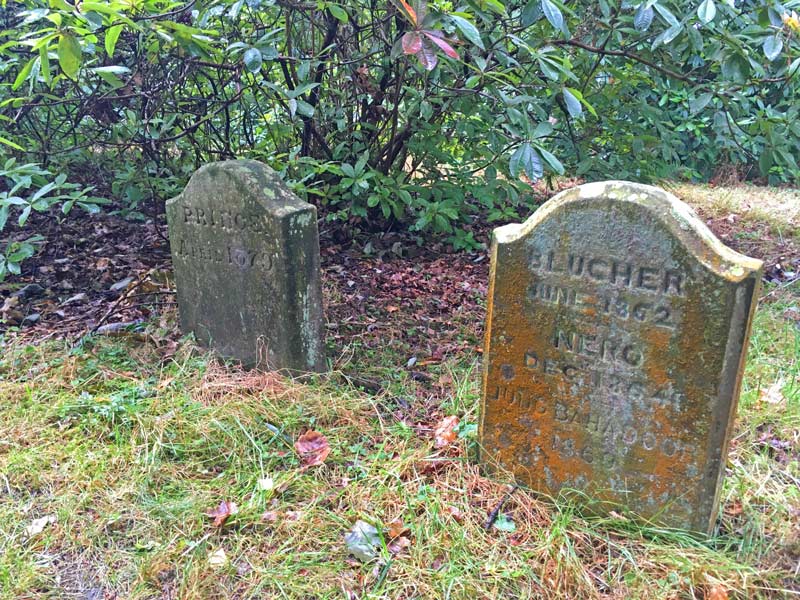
(456, 513)
(445, 431)
(396, 529)
(37, 525)
(363, 541)
(121, 284)
(218, 558)
(398, 545)
(717, 592)
(313, 448)
(773, 394)
(270, 516)
(734, 509)
(10, 303)
(222, 512)
(76, 298)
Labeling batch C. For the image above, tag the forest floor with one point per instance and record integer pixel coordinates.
(132, 465)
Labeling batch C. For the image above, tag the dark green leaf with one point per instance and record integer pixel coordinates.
(531, 13)
(643, 17)
(469, 30)
(574, 107)
(252, 60)
(736, 68)
(553, 14)
(552, 161)
(700, 102)
(772, 47)
(527, 159)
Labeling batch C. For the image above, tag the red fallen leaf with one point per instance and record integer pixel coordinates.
(313, 448)
(445, 431)
(222, 512)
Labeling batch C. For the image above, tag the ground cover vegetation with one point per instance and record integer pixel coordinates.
(128, 474)
(401, 114)
(135, 466)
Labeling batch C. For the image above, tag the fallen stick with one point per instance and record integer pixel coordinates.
(496, 510)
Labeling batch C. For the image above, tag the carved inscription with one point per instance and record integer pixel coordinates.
(607, 341)
(596, 359)
(224, 219)
(245, 251)
(226, 255)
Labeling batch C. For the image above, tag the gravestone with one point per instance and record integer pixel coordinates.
(617, 327)
(245, 251)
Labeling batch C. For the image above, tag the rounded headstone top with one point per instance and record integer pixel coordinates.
(677, 216)
(252, 178)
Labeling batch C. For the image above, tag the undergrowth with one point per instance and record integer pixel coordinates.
(112, 459)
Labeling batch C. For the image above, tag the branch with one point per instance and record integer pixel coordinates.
(625, 54)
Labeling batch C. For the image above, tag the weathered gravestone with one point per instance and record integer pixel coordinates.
(616, 333)
(246, 255)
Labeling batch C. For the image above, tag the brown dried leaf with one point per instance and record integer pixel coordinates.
(445, 431)
(270, 516)
(398, 545)
(396, 529)
(313, 448)
(222, 512)
(456, 513)
(716, 592)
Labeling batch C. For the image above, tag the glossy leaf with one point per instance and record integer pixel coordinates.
(772, 47)
(69, 55)
(446, 48)
(574, 107)
(643, 17)
(252, 60)
(112, 36)
(707, 11)
(412, 42)
(468, 30)
(553, 14)
(527, 159)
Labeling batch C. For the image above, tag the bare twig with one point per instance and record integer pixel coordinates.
(496, 510)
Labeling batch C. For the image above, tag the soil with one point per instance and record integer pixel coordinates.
(103, 273)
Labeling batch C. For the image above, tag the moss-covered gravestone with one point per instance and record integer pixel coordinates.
(616, 334)
(246, 255)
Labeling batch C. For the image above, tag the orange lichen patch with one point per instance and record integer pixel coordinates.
(612, 350)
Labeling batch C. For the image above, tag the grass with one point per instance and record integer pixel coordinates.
(778, 208)
(111, 460)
